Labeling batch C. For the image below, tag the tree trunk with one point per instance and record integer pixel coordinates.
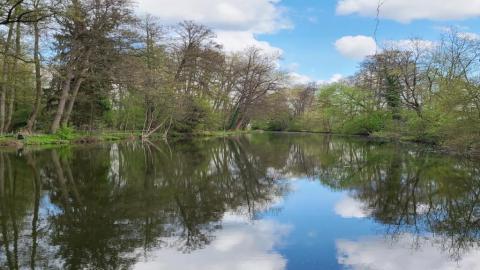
(11, 101)
(4, 82)
(63, 99)
(71, 101)
(38, 80)
(82, 69)
(239, 123)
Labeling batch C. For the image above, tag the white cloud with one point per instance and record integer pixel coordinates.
(239, 40)
(236, 22)
(379, 253)
(408, 10)
(334, 79)
(301, 79)
(356, 47)
(461, 32)
(297, 78)
(351, 208)
(259, 16)
(240, 245)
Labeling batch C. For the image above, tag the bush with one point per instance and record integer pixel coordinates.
(259, 125)
(198, 116)
(422, 129)
(278, 125)
(365, 124)
(66, 133)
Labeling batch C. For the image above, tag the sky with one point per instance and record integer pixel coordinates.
(320, 40)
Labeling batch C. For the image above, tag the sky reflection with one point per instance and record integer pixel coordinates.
(240, 245)
(405, 252)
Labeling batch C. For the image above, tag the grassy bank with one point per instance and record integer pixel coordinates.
(65, 137)
(70, 137)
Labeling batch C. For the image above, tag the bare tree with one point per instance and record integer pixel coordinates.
(302, 98)
(258, 76)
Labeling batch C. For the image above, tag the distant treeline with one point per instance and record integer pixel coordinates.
(419, 91)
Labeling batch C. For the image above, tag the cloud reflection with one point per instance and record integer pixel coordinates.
(348, 207)
(407, 252)
(240, 245)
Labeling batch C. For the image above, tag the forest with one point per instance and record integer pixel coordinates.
(79, 66)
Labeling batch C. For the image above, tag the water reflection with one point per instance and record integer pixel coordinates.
(240, 244)
(407, 252)
(349, 207)
(201, 204)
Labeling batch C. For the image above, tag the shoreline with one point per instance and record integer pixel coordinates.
(471, 154)
(33, 140)
(40, 139)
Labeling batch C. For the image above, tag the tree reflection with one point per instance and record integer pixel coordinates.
(103, 207)
(414, 191)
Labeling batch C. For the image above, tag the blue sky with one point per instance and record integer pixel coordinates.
(306, 31)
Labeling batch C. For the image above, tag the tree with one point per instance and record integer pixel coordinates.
(85, 26)
(257, 77)
(10, 13)
(302, 98)
(38, 66)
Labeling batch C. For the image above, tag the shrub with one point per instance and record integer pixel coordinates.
(423, 129)
(278, 125)
(365, 124)
(66, 133)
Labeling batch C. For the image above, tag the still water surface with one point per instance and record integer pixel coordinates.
(263, 201)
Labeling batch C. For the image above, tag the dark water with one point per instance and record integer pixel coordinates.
(265, 202)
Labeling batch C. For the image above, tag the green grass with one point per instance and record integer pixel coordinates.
(45, 139)
(74, 137)
(64, 138)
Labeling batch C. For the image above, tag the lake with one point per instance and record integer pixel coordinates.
(260, 201)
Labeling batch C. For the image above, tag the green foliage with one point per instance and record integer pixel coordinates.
(65, 133)
(424, 128)
(451, 122)
(278, 122)
(259, 125)
(45, 139)
(313, 121)
(365, 124)
(197, 116)
(341, 109)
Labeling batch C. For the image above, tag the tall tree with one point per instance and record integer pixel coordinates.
(38, 76)
(258, 76)
(85, 26)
